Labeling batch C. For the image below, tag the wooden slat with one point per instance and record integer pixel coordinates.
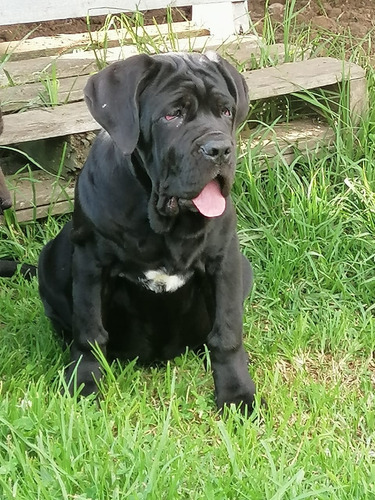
(38, 188)
(25, 11)
(40, 211)
(29, 96)
(248, 53)
(62, 44)
(30, 71)
(84, 63)
(298, 76)
(48, 122)
(37, 194)
(285, 138)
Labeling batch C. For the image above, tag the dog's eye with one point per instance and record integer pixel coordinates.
(171, 116)
(227, 112)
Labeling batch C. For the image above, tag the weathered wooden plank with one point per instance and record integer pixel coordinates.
(286, 138)
(37, 194)
(40, 211)
(47, 122)
(298, 76)
(62, 44)
(29, 71)
(38, 188)
(83, 63)
(24, 11)
(30, 96)
(248, 52)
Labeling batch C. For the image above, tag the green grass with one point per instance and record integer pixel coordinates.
(309, 326)
(131, 30)
(49, 96)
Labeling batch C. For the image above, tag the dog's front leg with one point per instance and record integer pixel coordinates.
(233, 384)
(88, 328)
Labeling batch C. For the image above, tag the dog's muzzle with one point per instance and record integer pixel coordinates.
(213, 161)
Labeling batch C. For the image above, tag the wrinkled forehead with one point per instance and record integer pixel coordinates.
(192, 60)
(183, 76)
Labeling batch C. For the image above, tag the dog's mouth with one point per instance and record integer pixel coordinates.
(210, 202)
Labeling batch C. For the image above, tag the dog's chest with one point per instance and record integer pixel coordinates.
(162, 264)
(159, 281)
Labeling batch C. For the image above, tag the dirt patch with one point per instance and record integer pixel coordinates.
(336, 16)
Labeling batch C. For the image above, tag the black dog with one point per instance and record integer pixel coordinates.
(151, 264)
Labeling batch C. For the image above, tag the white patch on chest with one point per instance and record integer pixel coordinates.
(159, 281)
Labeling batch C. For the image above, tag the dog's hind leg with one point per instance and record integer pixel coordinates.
(55, 282)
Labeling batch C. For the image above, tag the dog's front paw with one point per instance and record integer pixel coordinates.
(244, 401)
(83, 376)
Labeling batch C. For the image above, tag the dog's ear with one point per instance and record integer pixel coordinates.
(112, 98)
(236, 84)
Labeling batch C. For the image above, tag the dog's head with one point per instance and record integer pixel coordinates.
(177, 113)
(5, 199)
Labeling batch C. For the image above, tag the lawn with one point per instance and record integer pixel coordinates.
(309, 327)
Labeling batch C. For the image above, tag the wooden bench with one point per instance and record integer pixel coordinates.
(31, 59)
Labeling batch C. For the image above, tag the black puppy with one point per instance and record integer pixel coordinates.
(150, 263)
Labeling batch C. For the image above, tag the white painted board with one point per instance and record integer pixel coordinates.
(25, 11)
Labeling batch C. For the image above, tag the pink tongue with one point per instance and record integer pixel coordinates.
(210, 202)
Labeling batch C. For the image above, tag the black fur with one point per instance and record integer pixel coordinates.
(169, 125)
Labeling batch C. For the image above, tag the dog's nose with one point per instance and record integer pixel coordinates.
(217, 150)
